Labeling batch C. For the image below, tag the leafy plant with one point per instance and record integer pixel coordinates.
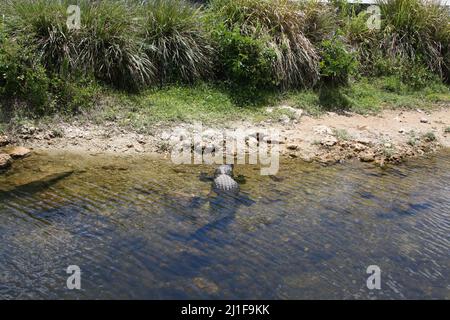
(246, 61)
(22, 76)
(337, 62)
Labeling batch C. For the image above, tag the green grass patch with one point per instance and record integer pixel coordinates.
(369, 96)
(429, 136)
(205, 103)
(217, 104)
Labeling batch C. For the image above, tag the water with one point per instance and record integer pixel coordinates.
(145, 228)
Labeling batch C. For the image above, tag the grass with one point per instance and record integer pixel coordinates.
(212, 104)
(175, 103)
(369, 96)
(429, 136)
(216, 104)
(415, 30)
(341, 134)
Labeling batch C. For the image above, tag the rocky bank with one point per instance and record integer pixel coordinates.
(388, 137)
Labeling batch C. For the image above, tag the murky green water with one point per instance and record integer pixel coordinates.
(145, 228)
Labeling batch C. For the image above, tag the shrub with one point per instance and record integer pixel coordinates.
(337, 62)
(429, 136)
(280, 25)
(22, 76)
(246, 60)
(177, 40)
(73, 95)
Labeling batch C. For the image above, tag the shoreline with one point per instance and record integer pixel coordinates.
(389, 137)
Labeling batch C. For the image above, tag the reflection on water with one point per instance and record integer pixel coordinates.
(145, 228)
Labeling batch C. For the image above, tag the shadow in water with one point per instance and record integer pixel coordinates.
(33, 187)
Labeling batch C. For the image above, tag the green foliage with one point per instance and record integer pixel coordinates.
(429, 136)
(320, 20)
(22, 76)
(74, 96)
(256, 47)
(177, 40)
(246, 60)
(414, 29)
(337, 62)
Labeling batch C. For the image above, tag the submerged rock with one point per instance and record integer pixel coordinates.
(5, 161)
(18, 152)
(206, 285)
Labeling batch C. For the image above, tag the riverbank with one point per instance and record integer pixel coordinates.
(388, 137)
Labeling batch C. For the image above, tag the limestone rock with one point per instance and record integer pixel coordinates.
(4, 141)
(18, 152)
(329, 141)
(322, 130)
(5, 161)
(367, 156)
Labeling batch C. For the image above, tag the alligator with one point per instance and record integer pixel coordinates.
(224, 181)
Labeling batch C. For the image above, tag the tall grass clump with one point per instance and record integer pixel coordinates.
(412, 43)
(266, 34)
(110, 46)
(107, 45)
(177, 41)
(415, 30)
(41, 24)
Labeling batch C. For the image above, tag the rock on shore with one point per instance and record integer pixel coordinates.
(5, 161)
(7, 155)
(18, 152)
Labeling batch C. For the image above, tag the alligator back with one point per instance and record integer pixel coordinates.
(225, 183)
